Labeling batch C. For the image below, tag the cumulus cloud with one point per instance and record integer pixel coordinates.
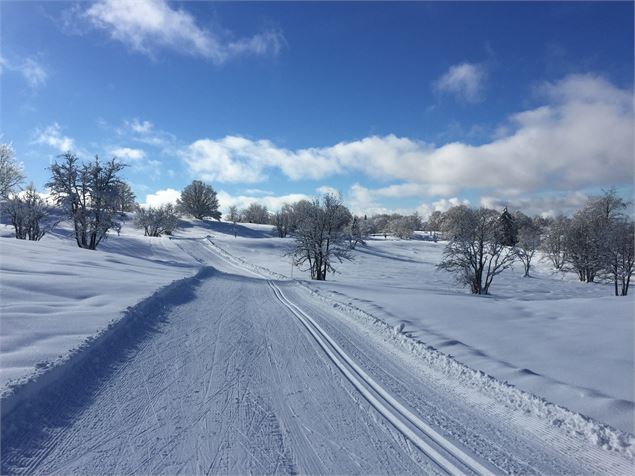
(465, 81)
(162, 197)
(128, 153)
(53, 137)
(272, 202)
(582, 137)
(147, 25)
(31, 70)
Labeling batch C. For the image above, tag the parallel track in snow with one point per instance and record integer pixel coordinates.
(450, 458)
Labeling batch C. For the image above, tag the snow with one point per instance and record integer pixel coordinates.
(55, 295)
(566, 341)
(515, 373)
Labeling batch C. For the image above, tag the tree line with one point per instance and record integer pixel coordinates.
(597, 242)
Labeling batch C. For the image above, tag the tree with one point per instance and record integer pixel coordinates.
(621, 254)
(358, 232)
(30, 215)
(476, 252)
(126, 199)
(554, 241)
(163, 220)
(88, 193)
(11, 174)
(508, 228)
(529, 236)
(403, 227)
(282, 220)
(232, 214)
(255, 213)
(587, 241)
(199, 200)
(320, 235)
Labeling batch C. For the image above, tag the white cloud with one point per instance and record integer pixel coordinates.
(140, 126)
(273, 203)
(32, 71)
(52, 136)
(582, 137)
(162, 197)
(146, 25)
(128, 153)
(324, 189)
(463, 80)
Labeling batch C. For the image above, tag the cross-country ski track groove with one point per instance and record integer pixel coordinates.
(226, 373)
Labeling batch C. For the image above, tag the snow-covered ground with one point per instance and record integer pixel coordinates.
(55, 295)
(567, 342)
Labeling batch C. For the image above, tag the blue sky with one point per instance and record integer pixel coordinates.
(408, 106)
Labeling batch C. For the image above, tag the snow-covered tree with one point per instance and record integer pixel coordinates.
(358, 232)
(282, 220)
(11, 174)
(529, 236)
(30, 216)
(126, 199)
(320, 235)
(88, 193)
(163, 220)
(620, 263)
(554, 241)
(255, 213)
(508, 228)
(587, 239)
(232, 214)
(199, 200)
(476, 252)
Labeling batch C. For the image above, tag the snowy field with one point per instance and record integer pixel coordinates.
(567, 342)
(55, 295)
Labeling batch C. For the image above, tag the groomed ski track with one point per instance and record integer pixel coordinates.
(245, 374)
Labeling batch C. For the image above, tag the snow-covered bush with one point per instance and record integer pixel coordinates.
(163, 220)
(11, 175)
(30, 215)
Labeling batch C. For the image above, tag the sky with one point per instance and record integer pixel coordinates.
(400, 107)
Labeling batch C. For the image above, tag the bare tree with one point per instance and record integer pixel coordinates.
(586, 241)
(282, 220)
(11, 174)
(621, 254)
(163, 220)
(88, 193)
(554, 241)
(476, 251)
(320, 235)
(199, 200)
(30, 216)
(529, 236)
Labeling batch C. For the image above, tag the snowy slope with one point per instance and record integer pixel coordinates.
(569, 342)
(231, 372)
(55, 295)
